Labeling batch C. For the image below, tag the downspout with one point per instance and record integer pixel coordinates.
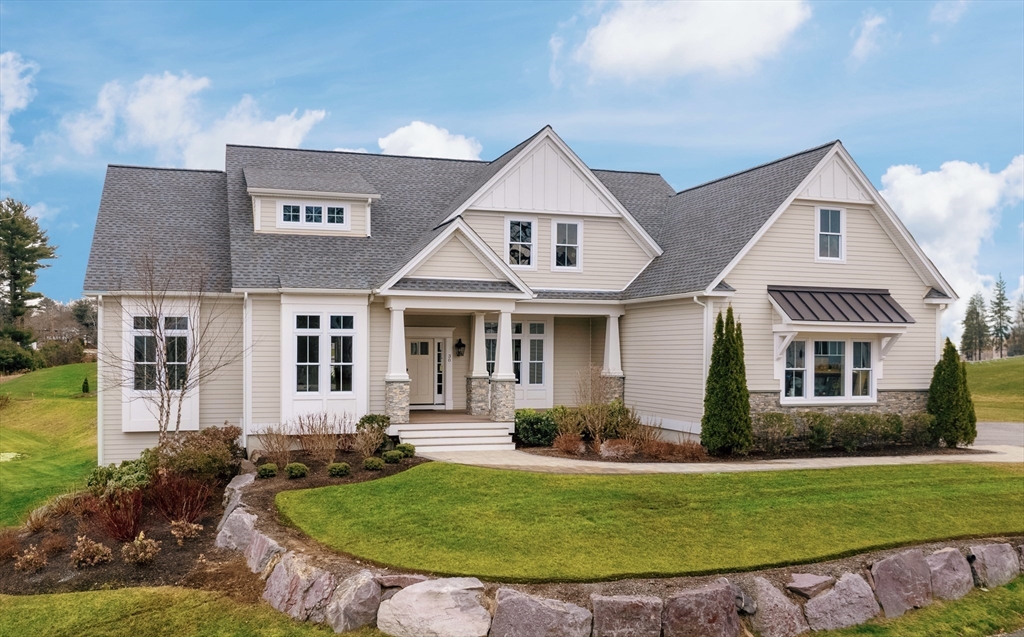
(99, 380)
(246, 370)
(704, 348)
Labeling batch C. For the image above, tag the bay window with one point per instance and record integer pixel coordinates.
(829, 367)
(337, 334)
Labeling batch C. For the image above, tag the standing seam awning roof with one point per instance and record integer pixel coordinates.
(838, 305)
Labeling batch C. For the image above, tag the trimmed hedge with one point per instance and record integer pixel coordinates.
(338, 469)
(296, 470)
(373, 464)
(407, 449)
(268, 470)
(535, 429)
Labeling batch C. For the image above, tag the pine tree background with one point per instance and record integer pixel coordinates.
(949, 400)
(975, 337)
(725, 426)
(999, 316)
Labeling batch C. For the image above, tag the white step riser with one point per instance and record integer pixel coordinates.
(454, 425)
(433, 442)
(493, 447)
(449, 433)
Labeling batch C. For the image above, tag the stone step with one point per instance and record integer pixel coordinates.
(422, 443)
(452, 433)
(510, 446)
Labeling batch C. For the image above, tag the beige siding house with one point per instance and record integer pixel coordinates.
(446, 294)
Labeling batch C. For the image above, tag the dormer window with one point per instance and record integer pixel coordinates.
(831, 235)
(313, 214)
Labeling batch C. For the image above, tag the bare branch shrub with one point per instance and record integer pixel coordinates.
(570, 443)
(9, 544)
(121, 514)
(567, 420)
(642, 435)
(277, 444)
(185, 530)
(89, 553)
(53, 544)
(179, 497)
(320, 433)
(368, 440)
(32, 560)
(593, 387)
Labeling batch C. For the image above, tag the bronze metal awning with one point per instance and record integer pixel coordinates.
(838, 305)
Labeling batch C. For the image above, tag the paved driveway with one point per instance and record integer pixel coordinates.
(1000, 433)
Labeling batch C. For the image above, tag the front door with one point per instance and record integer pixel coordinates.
(425, 362)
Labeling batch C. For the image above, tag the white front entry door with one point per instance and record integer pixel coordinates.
(425, 360)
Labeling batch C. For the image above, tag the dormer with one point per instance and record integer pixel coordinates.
(304, 202)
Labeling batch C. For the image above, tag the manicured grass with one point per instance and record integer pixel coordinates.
(145, 612)
(997, 388)
(980, 614)
(521, 526)
(54, 426)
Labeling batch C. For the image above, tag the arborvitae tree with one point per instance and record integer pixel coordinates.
(725, 426)
(975, 336)
(999, 315)
(23, 247)
(949, 400)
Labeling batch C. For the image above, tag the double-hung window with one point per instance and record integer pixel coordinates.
(828, 371)
(861, 369)
(796, 369)
(521, 243)
(342, 333)
(307, 353)
(566, 251)
(831, 235)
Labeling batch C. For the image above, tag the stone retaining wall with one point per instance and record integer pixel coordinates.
(413, 605)
(889, 402)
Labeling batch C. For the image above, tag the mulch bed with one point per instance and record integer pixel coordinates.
(197, 564)
(760, 457)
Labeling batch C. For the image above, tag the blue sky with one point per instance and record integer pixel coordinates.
(928, 98)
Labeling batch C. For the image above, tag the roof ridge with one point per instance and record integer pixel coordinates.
(353, 152)
(768, 163)
(188, 170)
(626, 172)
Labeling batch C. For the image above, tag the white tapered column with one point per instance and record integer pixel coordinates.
(612, 353)
(479, 347)
(397, 370)
(503, 365)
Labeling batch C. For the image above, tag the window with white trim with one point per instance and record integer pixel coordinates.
(796, 369)
(521, 242)
(861, 369)
(313, 214)
(537, 354)
(829, 368)
(342, 330)
(144, 346)
(335, 364)
(307, 353)
(490, 344)
(567, 245)
(830, 234)
(146, 357)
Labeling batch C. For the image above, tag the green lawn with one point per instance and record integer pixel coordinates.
(54, 426)
(145, 612)
(998, 389)
(980, 614)
(520, 526)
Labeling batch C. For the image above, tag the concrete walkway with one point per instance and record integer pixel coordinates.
(1003, 441)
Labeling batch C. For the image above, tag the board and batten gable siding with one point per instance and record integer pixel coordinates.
(453, 260)
(266, 359)
(268, 218)
(610, 256)
(662, 357)
(379, 335)
(785, 256)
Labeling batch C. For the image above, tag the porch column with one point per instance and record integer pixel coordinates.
(478, 399)
(396, 381)
(503, 381)
(612, 367)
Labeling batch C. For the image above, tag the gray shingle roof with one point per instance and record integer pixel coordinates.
(174, 216)
(838, 305)
(454, 285)
(336, 182)
(570, 295)
(704, 227)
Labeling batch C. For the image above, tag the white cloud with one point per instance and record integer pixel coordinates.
(555, 44)
(952, 212)
(351, 150)
(41, 212)
(656, 39)
(868, 39)
(948, 11)
(426, 140)
(16, 92)
(163, 112)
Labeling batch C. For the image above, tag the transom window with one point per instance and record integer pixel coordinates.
(830, 234)
(338, 333)
(839, 369)
(305, 214)
(520, 243)
(567, 245)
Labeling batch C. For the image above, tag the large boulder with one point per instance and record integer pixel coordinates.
(520, 615)
(994, 564)
(237, 484)
(777, 615)
(299, 589)
(449, 607)
(745, 604)
(354, 603)
(260, 551)
(902, 582)
(236, 531)
(702, 612)
(400, 580)
(809, 585)
(626, 615)
(850, 602)
(951, 574)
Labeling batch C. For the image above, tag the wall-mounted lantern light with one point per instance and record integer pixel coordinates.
(460, 348)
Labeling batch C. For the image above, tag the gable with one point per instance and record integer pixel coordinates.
(835, 181)
(454, 259)
(545, 180)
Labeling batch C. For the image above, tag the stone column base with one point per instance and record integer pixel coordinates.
(396, 401)
(503, 400)
(478, 395)
(618, 387)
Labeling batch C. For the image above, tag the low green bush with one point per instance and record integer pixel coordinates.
(407, 449)
(338, 469)
(393, 457)
(852, 431)
(373, 464)
(887, 429)
(296, 470)
(379, 422)
(130, 475)
(210, 454)
(918, 429)
(771, 430)
(623, 422)
(268, 470)
(819, 427)
(535, 429)
(567, 419)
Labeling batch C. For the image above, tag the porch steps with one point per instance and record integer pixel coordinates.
(459, 436)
